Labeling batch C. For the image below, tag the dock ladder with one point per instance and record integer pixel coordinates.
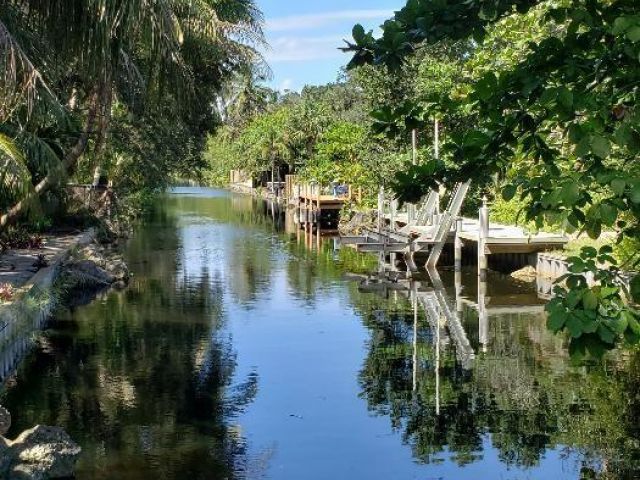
(446, 222)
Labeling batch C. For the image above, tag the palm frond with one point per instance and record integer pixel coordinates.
(15, 178)
(20, 79)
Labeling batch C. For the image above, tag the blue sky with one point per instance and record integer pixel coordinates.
(305, 36)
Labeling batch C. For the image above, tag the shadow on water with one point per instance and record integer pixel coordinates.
(142, 379)
(246, 348)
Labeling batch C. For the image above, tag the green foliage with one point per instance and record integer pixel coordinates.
(426, 21)
(339, 158)
(20, 238)
(321, 134)
(221, 157)
(130, 89)
(264, 141)
(508, 211)
(550, 88)
(597, 317)
(341, 142)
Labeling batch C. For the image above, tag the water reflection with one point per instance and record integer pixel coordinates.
(475, 370)
(143, 379)
(248, 348)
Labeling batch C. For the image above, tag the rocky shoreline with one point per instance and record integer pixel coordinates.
(72, 275)
(91, 269)
(39, 453)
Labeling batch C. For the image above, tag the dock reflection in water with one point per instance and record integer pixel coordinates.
(472, 368)
(248, 348)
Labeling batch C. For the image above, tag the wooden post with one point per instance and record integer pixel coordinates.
(483, 234)
(458, 246)
(319, 207)
(411, 208)
(273, 168)
(380, 209)
(394, 209)
(483, 317)
(436, 151)
(414, 146)
(414, 300)
(457, 280)
(437, 366)
(436, 139)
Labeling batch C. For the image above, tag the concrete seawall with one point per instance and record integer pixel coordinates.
(34, 301)
(551, 266)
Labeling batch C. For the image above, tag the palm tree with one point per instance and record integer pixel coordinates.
(244, 98)
(66, 61)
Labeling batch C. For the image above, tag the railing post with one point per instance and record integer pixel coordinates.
(393, 214)
(380, 208)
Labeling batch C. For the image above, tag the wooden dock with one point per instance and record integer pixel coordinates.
(424, 230)
(318, 206)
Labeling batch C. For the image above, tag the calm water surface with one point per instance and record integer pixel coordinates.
(242, 352)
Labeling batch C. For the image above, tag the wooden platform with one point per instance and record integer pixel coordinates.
(323, 202)
(500, 239)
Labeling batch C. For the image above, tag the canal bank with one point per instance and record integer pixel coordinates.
(29, 275)
(59, 269)
(241, 351)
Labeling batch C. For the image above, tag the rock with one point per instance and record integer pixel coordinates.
(118, 269)
(526, 274)
(43, 453)
(112, 263)
(5, 458)
(5, 420)
(94, 254)
(81, 280)
(358, 222)
(88, 274)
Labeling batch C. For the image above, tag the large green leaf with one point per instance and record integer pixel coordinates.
(508, 192)
(635, 289)
(590, 300)
(574, 325)
(600, 146)
(556, 320)
(606, 335)
(618, 186)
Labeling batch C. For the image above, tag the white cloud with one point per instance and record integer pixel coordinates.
(286, 84)
(301, 49)
(316, 20)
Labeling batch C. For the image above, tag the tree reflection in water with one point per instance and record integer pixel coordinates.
(142, 378)
(520, 394)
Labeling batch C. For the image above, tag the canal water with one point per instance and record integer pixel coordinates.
(242, 351)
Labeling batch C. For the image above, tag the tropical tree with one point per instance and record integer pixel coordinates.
(264, 143)
(566, 109)
(65, 63)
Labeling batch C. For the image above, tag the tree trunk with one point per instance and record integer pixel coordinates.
(103, 121)
(69, 163)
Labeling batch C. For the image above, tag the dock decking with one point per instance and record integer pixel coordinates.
(426, 230)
